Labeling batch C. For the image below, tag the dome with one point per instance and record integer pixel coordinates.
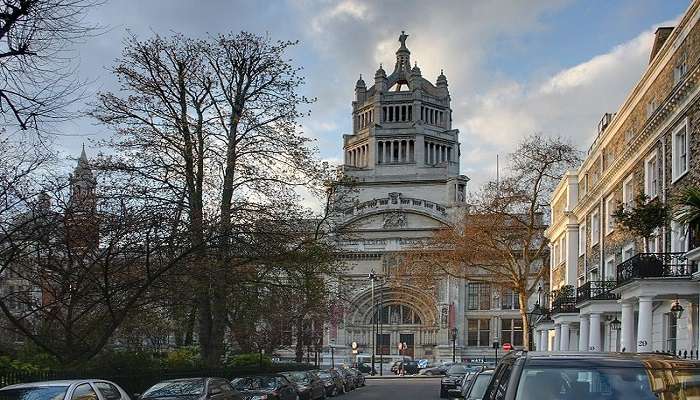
(415, 70)
(441, 79)
(360, 83)
(380, 72)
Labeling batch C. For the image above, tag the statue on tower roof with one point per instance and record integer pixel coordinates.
(402, 38)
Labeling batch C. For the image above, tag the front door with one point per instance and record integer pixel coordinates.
(407, 338)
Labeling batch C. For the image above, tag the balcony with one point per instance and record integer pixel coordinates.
(654, 265)
(596, 290)
(564, 301)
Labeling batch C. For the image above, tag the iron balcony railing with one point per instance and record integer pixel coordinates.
(654, 265)
(564, 301)
(596, 290)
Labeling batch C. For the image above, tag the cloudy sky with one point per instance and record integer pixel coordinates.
(514, 67)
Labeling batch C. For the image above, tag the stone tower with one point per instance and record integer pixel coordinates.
(404, 156)
(82, 220)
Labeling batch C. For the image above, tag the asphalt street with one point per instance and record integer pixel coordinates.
(404, 389)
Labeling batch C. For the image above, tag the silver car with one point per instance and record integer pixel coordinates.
(77, 389)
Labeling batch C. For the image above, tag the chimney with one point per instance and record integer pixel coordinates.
(662, 33)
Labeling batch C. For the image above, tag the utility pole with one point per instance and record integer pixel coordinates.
(372, 276)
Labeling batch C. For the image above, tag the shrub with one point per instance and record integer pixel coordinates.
(183, 358)
(249, 360)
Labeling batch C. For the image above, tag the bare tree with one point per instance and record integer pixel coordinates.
(210, 128)
(500, 239)
(36, 60)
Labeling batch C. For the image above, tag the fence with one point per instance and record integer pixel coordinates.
(136, 381)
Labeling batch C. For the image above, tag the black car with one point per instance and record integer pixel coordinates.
(349, 378)
(454, 376)
(359, 378)
(473, 389)
(332, 382)
(265, 387)
(192, 389)
(364, 368)
(309, 386)
(605, 376)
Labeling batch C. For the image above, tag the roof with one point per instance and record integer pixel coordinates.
(66, 382)
(617, 360)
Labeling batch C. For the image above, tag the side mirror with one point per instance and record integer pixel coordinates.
(455, 394)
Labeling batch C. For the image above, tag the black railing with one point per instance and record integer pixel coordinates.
(654, 265)
(596, 290)
(564, 301)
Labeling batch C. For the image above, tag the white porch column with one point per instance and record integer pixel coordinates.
(627, 334)
(644, 327)
(564, 341)
(594, 333)
(544, 339)
(583, 332)
(557, 337)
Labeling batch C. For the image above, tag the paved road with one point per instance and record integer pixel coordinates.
(403, 389)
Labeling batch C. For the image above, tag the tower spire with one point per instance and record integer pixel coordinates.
(403, 55)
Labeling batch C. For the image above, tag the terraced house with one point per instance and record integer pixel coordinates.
(609, 293)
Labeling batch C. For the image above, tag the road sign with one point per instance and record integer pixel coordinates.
(354, 345)
(507, 346)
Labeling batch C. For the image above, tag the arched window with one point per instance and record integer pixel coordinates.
(397, 314)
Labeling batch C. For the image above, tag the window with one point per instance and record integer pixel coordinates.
(556, 254)
(628, 252)
(651, 176)
(582, 239)
(501, 378)
(681, 68)
(595, 228)
(672, 333)
(509, 300)
(594, 274)
(512, 331)
(479, 296)
(679, 150)
(655, 242)
(679, 237)
(84, 392)
(652, 105)
(108, 391)
(562, 249)
(609, 211)
(610, 270)
(383, 343)
(628, 191)
(479, 332)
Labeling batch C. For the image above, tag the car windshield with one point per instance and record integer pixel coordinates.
(257, 383)
(297, 376)
(189, 387)
(34, 393)
(607, 383)
(478, 389)
(457, 369)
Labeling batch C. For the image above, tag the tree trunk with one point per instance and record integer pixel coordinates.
(300, 342)
(522, 300)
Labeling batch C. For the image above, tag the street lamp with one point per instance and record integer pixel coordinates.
(677, 309)
(615, 324)
(454, 344)
(373, 277)
(533, 317)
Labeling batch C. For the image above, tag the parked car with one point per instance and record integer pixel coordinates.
(606, 376)
(454, 376)
(265, 387)
(332, 382)
(359, 378)
(473, 389)
(364, 368)
(78, 389)
(348, 378)
(308, 385)
(433, 371)
(191, 389)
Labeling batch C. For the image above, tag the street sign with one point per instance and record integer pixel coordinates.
(354, 345)
(507, 346)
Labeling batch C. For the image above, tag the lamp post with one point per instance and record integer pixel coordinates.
(533, 317)
(454, 344)
(677, 309)
(372, 277)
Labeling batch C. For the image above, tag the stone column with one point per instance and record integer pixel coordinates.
(544, 340)
(564, 341)
(627, 335)
(584, 330)
(594, 335)
(644, 327)
(557, 337)
(419, 150)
